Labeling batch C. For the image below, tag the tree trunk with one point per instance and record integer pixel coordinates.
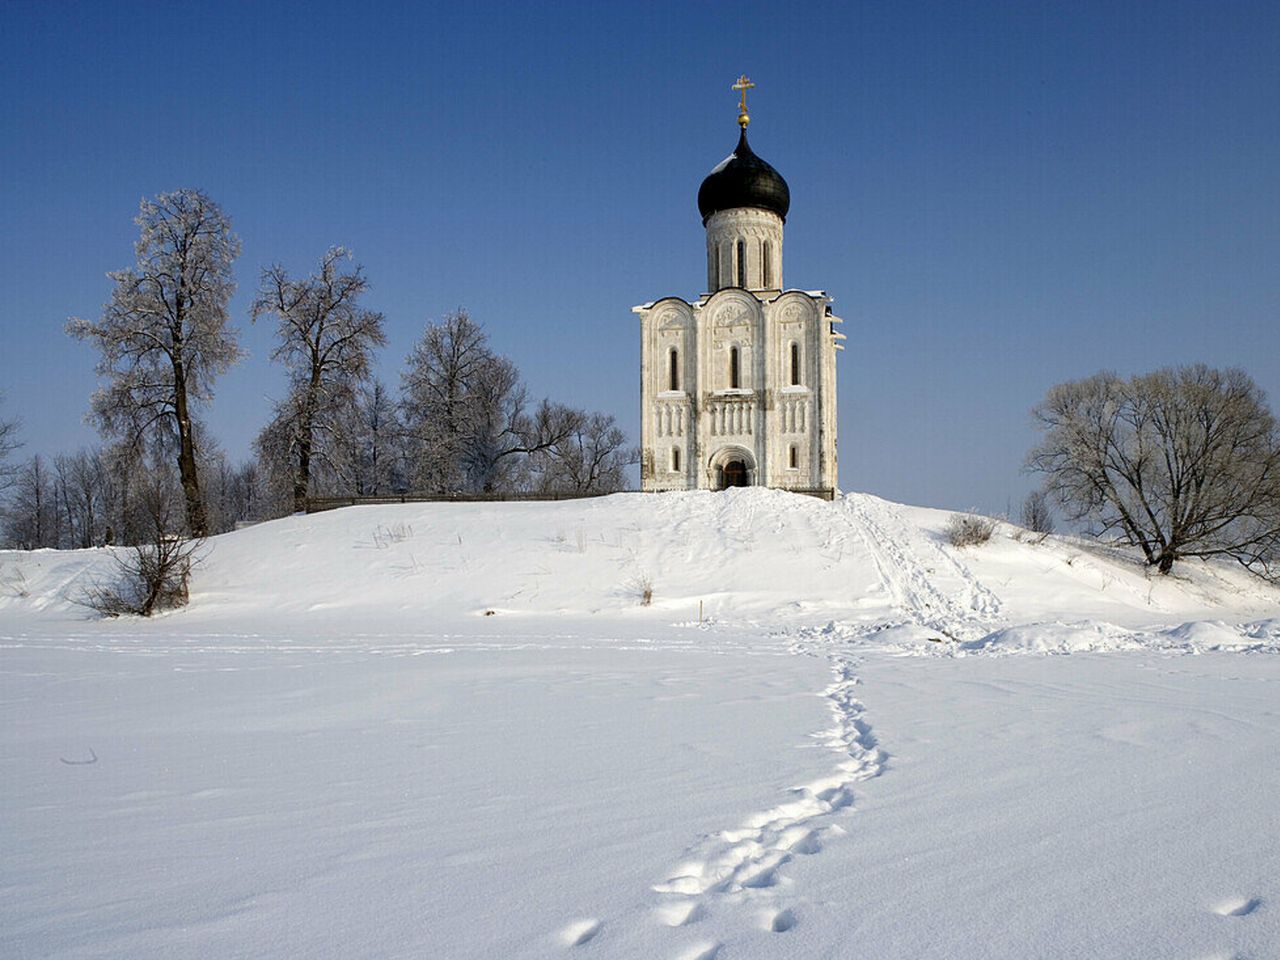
(197, 518)
(1166, 563)
(302, 478)
(306, 439)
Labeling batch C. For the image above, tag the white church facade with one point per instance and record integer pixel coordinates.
(738, 387)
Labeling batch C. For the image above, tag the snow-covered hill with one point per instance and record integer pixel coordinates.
(455, 731)
(864, 566)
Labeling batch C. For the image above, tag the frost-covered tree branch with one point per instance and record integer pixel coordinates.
(592, 459)
(163, 339)
(467, 415)
(325, 341)
(8, 444)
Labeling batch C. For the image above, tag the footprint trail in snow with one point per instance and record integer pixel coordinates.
(910, 566)
(743, 868)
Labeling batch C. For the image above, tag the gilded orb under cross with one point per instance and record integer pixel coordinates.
(744, 84)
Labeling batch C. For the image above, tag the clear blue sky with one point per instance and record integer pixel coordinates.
(999, 196)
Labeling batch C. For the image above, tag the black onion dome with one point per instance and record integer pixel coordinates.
(743, 180)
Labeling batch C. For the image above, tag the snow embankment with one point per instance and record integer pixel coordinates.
(860, 569)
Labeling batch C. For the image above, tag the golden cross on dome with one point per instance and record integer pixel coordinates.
(744, 84)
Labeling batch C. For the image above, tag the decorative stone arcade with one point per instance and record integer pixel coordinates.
(738, 387)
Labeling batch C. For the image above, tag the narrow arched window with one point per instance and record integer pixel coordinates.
(795, 364)
(675, 459)
(794, 457)
(766, 258)
(735, 378)
(673, 373)
(713, 266)
(742, 263)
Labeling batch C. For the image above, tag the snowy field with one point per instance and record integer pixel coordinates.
(453, 731)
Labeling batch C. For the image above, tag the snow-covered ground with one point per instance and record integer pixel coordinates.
(453, 731)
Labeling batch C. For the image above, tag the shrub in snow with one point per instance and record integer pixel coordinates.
(969, 529)
(384, 536)
(150, 578)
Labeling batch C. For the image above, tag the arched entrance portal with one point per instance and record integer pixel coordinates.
(732, 467)
(734, 475)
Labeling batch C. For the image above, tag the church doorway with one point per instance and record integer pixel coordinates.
(731, 466)
(734, 475)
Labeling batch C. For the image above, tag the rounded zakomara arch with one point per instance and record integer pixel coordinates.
(749, 307)
(732, 465)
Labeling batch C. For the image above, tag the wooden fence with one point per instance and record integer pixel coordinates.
(318, 504)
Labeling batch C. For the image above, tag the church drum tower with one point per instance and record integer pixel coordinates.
(738, 388)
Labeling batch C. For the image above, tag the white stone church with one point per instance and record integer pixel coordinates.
(738, 388)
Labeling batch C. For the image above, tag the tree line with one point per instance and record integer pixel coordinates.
(462, 422)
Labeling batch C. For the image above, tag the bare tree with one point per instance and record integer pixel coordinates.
(377, 455)
(326, 342)
(591, 459)
(164, 338)
(237, 492)
(467, 414)
(8, 444)
(274, 456)
(82, 488)
(496, 424)
(1181, 463)
(60, 503)
(130, 477)
(1037, 515)
(439, 399)
(31, 517)
(506, 434)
